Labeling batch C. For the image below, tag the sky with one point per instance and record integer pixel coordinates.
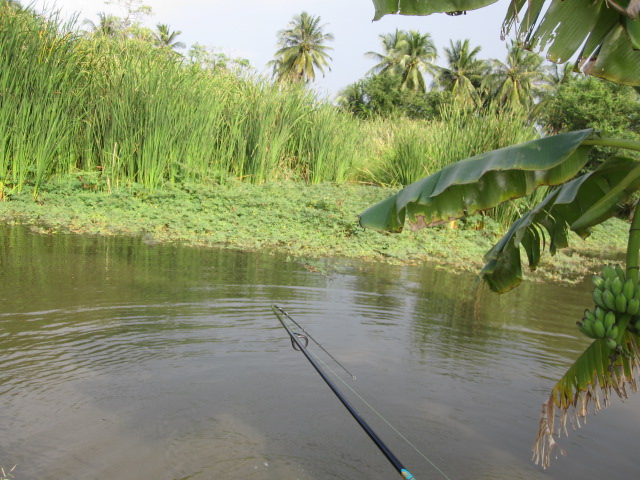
(248, 29)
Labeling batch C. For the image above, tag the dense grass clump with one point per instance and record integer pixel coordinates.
(129, 112)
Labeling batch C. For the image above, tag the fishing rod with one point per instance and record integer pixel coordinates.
(300, 342)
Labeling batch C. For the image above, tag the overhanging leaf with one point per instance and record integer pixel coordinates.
(609, 203)
(616, 59)
(559, 213)
(418, 7)
(596, 372)
(481, 182)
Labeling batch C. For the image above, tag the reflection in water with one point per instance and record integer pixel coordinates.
(136, 361)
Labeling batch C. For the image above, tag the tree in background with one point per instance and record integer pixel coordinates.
(464, 72)
(210, 59)
(165, 38)
(517, 82)
(382, 96)
(588, 102)
(389, 59)
(302, 49)
(107, 26)
(407, 54)
(129, 25)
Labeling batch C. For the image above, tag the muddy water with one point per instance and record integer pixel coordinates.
(124, 360)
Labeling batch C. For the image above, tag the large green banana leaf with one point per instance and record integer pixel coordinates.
(596, 372)
(576, 206)
(606, 33)
(481, 182)
(417, 7)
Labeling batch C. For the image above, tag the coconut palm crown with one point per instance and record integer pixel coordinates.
(408, 54)
(302, 49)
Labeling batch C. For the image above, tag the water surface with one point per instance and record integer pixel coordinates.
(132, 361)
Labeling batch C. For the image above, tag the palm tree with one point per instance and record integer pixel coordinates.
(302, 49)
(464, 74)
(519, 81)
(108, 25)
(165, 38)
(389, 60)
(408, 54)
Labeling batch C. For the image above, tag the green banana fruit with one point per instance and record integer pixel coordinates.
(600, 313)
(608, 272)
(609, 300)
(598, 297)
(633, 306)
(612, 332)
(616, 287)
(620, 273)
(629, 289)
(609, 320)
(598, 329)
(621, 303)
(585, 329)
(598, 282)
(589, 316)
(611, 343)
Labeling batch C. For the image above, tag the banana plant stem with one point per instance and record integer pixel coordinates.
(633, 246)
(613, 142)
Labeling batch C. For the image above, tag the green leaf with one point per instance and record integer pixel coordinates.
(598, 368)
(616, 59)
(633, 30)
(606, 206)
(418, 7)
(481, 182)
(577, 205)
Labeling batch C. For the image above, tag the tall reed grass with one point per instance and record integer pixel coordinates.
(124, 111)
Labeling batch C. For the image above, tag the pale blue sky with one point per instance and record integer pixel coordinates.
(248, 28)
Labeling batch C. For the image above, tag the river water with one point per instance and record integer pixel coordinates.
(120, 359)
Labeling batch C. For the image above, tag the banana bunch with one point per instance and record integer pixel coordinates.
(614, 296)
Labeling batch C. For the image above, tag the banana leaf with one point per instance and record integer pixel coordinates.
(607, 31)
(576, 206)
(481, 182)
(598, 371)
(417, 7)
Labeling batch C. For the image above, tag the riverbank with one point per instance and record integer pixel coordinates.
(308, 222)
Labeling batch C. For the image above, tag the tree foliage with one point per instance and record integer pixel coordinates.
(407, 54)
(382, 95)
(165, 38)
(589, 102)
(464, 72)
(518, 81)
(302, 49)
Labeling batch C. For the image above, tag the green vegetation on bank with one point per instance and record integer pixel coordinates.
(121, 111)
(305, 221)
